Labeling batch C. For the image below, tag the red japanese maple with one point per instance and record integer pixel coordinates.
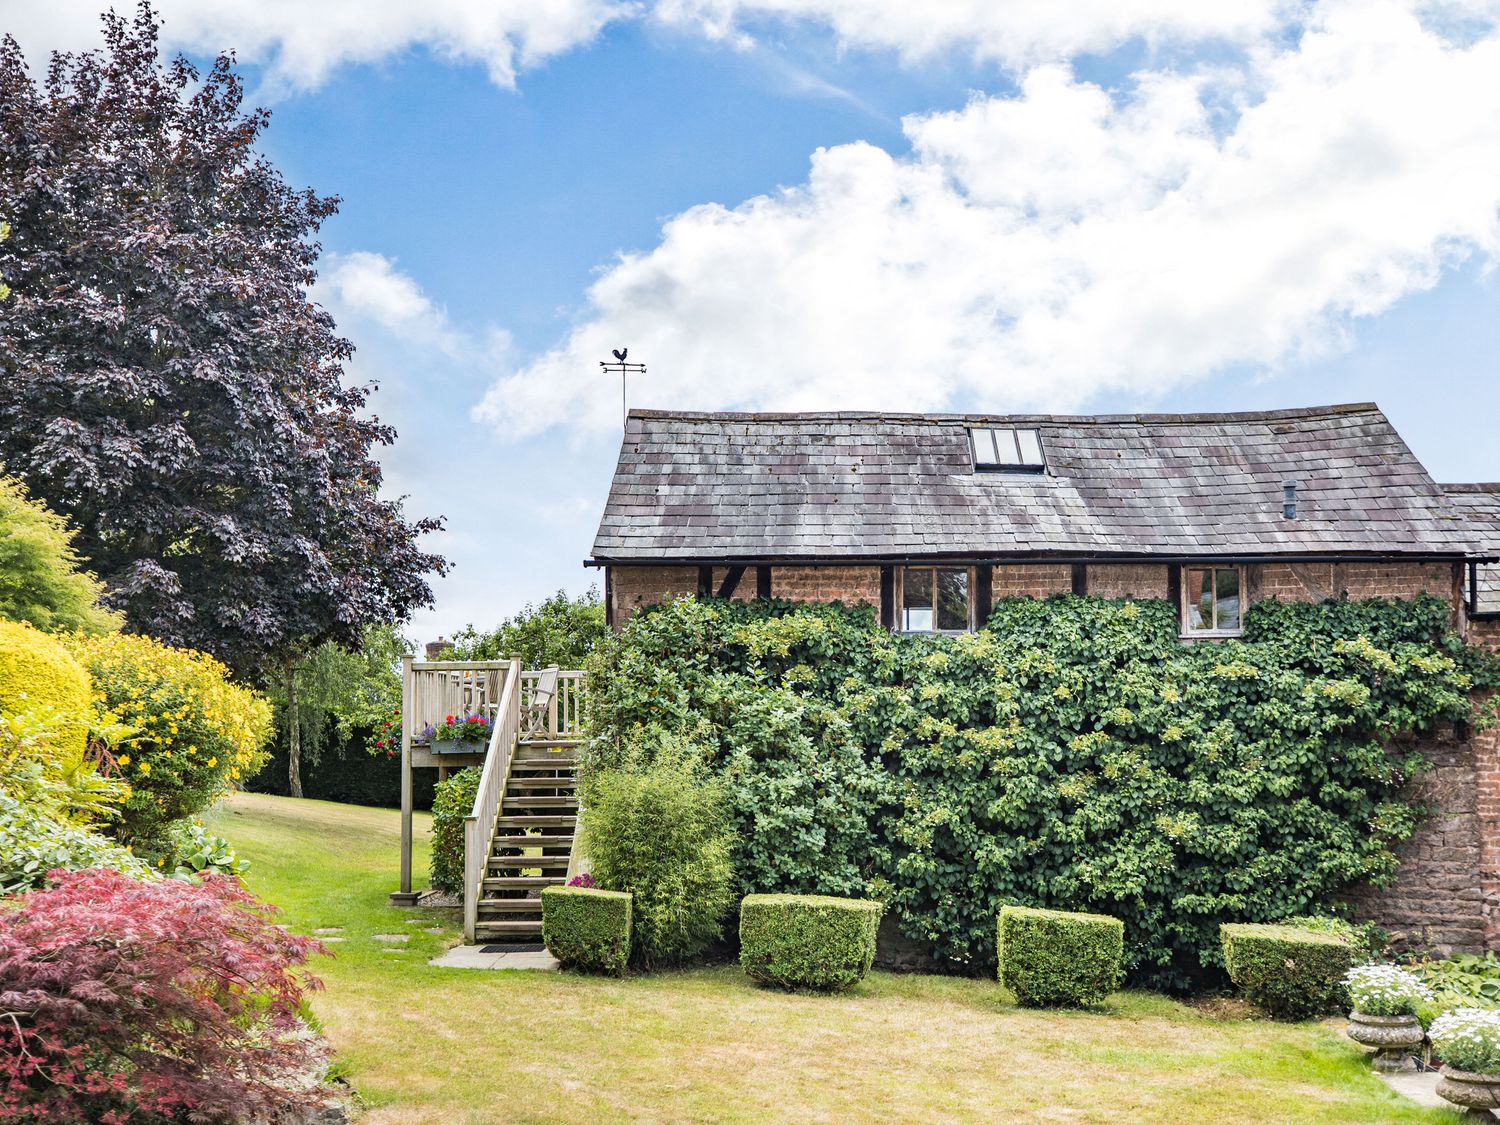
(124, 1001)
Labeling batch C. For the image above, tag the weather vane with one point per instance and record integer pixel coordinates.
(623, 369)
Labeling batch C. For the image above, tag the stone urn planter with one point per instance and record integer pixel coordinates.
(1471, 1091)
(1393, 1037)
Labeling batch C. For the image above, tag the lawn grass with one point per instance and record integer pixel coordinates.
(454, 1045)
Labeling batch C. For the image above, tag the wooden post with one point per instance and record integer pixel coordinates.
(406, 896)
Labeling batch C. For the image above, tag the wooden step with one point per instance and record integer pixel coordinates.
(518, 822)
(563, 767)
(529, 862)
(522, 882)
(531, 753)
(520, 928)
(510, 906)
(568, 783)
(533, 841)
(534, 802)
(551, 743)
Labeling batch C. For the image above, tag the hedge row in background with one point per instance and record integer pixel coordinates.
(1291, 973)
(807, 941)
(587, 929)
(1072, 755)
(1053, 958)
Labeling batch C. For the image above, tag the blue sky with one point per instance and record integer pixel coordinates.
(1004, 214)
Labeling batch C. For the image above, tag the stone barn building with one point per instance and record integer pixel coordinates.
(930, 518)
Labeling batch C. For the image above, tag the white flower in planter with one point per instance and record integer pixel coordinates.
(1385, 990)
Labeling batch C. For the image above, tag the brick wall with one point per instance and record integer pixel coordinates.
(848, 584)
(634, 587)
(1127, 580)
(1438, 899)
(1034, 580)
(1316, 582)
(1486, 745)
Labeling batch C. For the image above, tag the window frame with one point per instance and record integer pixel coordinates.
(1186, 599)
(899, 592)
(992, 434)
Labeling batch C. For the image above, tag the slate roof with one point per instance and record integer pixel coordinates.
(1479, 506)
(843, 486)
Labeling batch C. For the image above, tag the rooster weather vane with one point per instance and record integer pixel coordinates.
(623, 369)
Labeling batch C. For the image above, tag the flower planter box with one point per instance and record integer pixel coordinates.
(455, 746)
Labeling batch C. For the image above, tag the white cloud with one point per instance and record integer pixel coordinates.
(302, 42)
(1012, 32)
(1038, 250)
(366, 289)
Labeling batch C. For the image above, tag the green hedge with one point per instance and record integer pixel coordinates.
(1057, 959)
(586, 928)
(807, 941)
(1291, 973)
(452, 801)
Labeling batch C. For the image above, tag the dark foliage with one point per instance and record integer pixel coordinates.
(169, 386)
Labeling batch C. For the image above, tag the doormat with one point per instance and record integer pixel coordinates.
(537, 948)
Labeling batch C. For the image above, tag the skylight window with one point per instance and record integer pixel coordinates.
(1007, 448)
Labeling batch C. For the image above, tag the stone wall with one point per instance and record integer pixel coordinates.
(1035, 580)
(1316, 582)
(1437, 900)
(1127, 580)
(848, 584)
(635, 587)
(1486, 745)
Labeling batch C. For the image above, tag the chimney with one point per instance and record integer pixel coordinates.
(1289, 499)
(435, 648)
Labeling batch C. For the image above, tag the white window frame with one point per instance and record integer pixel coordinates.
(900, 596)
(1185, 601)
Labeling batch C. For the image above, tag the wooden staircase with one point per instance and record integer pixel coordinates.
(533, 841)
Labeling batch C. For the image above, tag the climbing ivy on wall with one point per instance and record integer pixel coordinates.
(1073, 754)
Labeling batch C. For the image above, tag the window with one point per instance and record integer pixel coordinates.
(934, 599)
(1211, 601)
(1007, 449)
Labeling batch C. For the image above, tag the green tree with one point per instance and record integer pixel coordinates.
(41, 579)
(561, 630)
(334, 691)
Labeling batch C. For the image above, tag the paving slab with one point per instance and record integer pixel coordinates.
(391, 939)
(474, 957)
(1421, 1087)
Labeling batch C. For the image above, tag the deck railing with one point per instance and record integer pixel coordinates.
(565, 712)
(440, 688)
(479, 825)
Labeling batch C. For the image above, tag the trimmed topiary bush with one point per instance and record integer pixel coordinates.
(39, 677)
(1058, 959)
(586, 928)
(1292, 974)
(808, 941)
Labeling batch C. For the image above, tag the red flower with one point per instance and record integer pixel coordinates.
(450, 720)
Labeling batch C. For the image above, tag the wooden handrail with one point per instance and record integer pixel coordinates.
(479, 825)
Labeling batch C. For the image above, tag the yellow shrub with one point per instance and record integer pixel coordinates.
(196, 734)
(38, 677)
